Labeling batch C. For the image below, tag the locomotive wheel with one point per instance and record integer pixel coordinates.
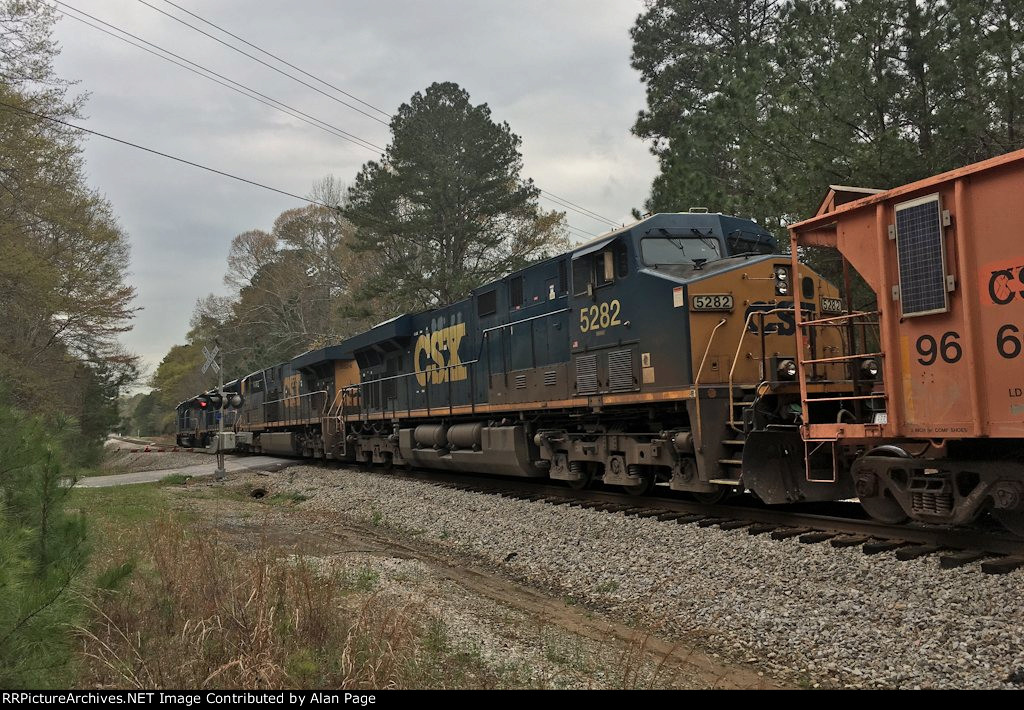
(642, 488)
(1012, 520)
(580, 484)
(712, 498)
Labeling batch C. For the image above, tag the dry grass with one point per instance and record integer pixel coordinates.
(199, 614)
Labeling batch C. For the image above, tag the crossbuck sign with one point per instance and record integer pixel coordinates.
(211, 359)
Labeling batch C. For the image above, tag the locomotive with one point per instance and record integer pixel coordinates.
(684, 351)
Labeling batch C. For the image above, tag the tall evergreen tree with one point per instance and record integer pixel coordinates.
(755, 106)
(445, 209)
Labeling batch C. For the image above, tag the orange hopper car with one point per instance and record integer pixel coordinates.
(939, 436)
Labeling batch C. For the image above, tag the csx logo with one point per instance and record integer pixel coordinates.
(1006, 284)
(436, 356)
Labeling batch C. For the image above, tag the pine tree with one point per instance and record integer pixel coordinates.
(445, 209)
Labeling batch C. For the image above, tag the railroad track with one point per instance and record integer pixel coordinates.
(835, 524)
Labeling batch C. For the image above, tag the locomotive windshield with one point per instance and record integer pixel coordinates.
(669, 251)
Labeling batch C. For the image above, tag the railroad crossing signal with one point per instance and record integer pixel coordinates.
(211, 359)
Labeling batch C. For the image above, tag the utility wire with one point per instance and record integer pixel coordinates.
(266, 64)
(550, 196)
(286, 63)
(302, 116)
(272, 103)
(165, 155)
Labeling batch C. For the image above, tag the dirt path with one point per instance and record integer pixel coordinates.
(549, 640)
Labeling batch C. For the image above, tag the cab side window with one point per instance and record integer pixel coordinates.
(581, 269)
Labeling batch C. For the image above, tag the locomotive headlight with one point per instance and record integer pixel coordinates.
(870, 368)
(787, 370)
(781, 281)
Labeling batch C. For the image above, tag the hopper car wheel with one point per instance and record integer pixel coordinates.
(884, 508)
(1012, 520)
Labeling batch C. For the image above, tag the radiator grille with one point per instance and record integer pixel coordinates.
(620, 370)
(520, 382)
(550, 378)
(586, 374)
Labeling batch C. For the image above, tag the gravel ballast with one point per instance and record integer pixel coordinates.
(813, 614)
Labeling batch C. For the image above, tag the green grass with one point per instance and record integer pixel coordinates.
(287, 497)
(175, 479)
(117, 509)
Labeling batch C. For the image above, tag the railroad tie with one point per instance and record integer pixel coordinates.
(734, 524)
(761, 528)
(666, 517)
(912, 552)
(876, 546)
(1002, 565)
(786, 533)
(959, 559)
(848, 540)
(650, 513)
(690, 518)
(813, 537)
(708, 522)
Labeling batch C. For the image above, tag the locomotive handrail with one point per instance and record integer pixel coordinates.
(359, 385)
(696, 385)
(524, 320)
(323, 411)
(736, 356)
(844, 316)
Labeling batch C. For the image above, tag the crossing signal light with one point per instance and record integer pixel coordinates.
(203, 402)
(216, 401)
(233, 401)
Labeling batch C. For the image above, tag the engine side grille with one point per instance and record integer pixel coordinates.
(520, 382)
(620, 370)
(550, 378)
(586, 374)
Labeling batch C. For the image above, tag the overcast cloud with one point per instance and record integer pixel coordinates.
(557, 71)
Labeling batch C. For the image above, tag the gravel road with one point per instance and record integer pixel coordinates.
(814, 614)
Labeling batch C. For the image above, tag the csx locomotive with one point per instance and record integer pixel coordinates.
(684, 351)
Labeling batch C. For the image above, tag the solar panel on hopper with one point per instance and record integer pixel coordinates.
(921, 255)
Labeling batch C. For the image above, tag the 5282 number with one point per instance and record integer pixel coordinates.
(948, 348)
(599, 317)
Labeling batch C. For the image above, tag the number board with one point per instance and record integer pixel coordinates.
(713, 302)
(831, 305)
(920, 250)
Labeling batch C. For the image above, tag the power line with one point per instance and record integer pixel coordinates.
(591, 213)
(276, 104)
(266, 64)
(313, 120)
(286, 63)
(165, 155)
(551, 197)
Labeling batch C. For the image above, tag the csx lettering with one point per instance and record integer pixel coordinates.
(436, 356)
(1006, 284)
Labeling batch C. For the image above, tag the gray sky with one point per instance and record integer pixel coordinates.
(557, 71)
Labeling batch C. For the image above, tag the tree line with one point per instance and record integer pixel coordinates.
(755, 106)
(64, 300)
